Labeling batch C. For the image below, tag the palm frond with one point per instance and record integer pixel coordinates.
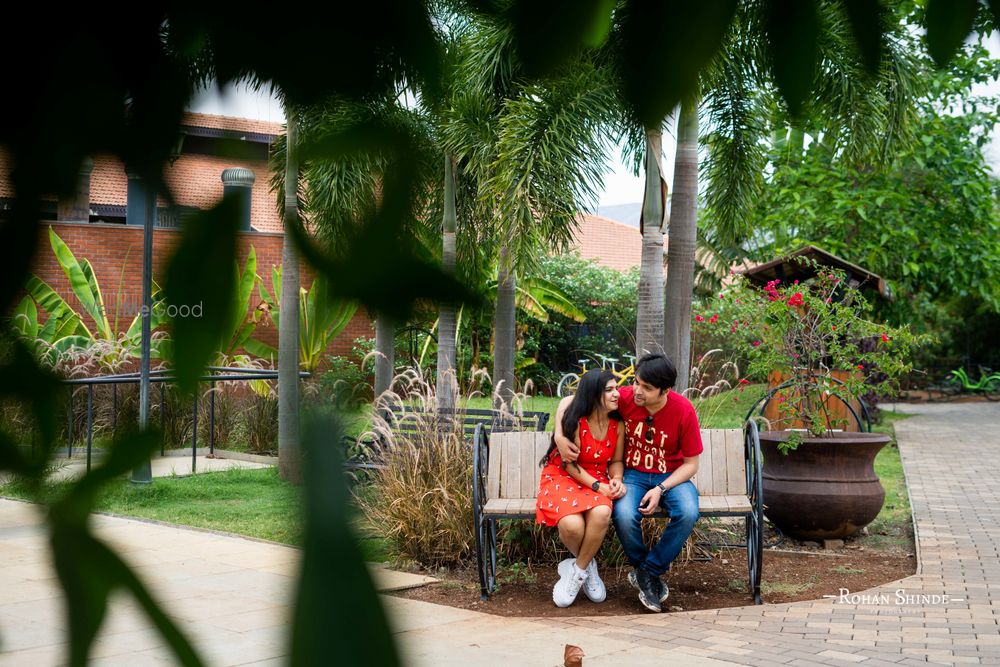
(552, 147)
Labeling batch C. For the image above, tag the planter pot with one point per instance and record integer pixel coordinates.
(824, 489)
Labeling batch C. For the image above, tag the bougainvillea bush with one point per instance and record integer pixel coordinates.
(804, 331)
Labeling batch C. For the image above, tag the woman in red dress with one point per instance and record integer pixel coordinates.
(576, 497)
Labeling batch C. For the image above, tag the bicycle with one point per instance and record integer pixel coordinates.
(569, 382)
(988, 383)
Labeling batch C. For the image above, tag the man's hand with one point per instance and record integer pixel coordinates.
(650, 502)
(617, 489)
(568, 450)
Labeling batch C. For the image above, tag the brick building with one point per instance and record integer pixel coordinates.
(96, 223)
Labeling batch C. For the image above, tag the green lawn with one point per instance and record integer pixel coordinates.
(894, 522)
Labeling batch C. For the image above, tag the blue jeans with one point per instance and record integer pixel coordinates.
(681, 505)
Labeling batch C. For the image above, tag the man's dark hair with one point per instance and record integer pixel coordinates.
(657, 370)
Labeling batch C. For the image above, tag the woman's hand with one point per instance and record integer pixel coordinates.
(614, 490)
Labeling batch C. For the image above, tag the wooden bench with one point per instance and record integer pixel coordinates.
(411, 422)
(505, 475)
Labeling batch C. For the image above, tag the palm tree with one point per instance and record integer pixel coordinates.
(649, 315)
(343, 193)
(544, 166)
(683, 243)
(446, 358)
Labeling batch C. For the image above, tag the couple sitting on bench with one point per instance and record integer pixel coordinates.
(621, 454)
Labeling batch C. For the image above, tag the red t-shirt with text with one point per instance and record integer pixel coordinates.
(675, 433)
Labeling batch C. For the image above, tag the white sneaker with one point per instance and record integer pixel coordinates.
(567, 588)
(594, 589)
(565, 568)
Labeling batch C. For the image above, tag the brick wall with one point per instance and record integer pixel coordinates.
(113, 249)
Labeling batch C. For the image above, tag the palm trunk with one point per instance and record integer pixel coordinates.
(385, 361)
(504, 335)
(289, 453)
(649, 318)
(446, 314)
(683, 243)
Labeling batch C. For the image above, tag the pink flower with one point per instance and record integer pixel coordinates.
(860, 367)
(795, 299)
(744, 381)
(756, 343)
(713, 319)
(699, 318)
(833, 326)
(885, 338)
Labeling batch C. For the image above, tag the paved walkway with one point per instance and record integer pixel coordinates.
(230, 594)
(179, 465)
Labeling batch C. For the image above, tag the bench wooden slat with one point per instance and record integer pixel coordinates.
(493, 474)
(707, 503)
(529, 467)
(703, 479)
(525, 507)
(737, 483)
(733, 504)
(541, 443)
(720, 463)
(510, 485)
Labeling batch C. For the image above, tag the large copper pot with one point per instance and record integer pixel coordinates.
(824, 489)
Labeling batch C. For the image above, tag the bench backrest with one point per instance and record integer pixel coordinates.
(414, 420)
(514, 472)
(721, 467)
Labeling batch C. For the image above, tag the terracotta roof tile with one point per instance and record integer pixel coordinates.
(609, 242)
(195, 180)
(232, 123)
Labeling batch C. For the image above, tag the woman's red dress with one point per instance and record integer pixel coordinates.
(559, 494)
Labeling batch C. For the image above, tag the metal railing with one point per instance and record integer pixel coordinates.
(161, 376)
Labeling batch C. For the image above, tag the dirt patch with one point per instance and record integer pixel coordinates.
(792, 573)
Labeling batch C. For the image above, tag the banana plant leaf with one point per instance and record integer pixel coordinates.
(83, 283)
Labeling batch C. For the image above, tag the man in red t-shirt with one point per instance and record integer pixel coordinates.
(662, 444)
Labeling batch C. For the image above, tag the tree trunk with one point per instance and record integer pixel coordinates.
(385, 360)
(683, 243)
(289, 452)
(504, 335)
(649, 318)
(446, 384)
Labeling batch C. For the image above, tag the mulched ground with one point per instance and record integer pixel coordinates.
(796, 571)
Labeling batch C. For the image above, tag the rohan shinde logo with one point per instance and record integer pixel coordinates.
(899, 598)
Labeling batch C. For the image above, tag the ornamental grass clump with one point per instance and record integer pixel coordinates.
(813, 340)
(420, 499)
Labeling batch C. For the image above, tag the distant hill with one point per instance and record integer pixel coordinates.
(627, 214)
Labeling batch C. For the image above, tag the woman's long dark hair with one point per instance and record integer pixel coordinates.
(589, 394)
